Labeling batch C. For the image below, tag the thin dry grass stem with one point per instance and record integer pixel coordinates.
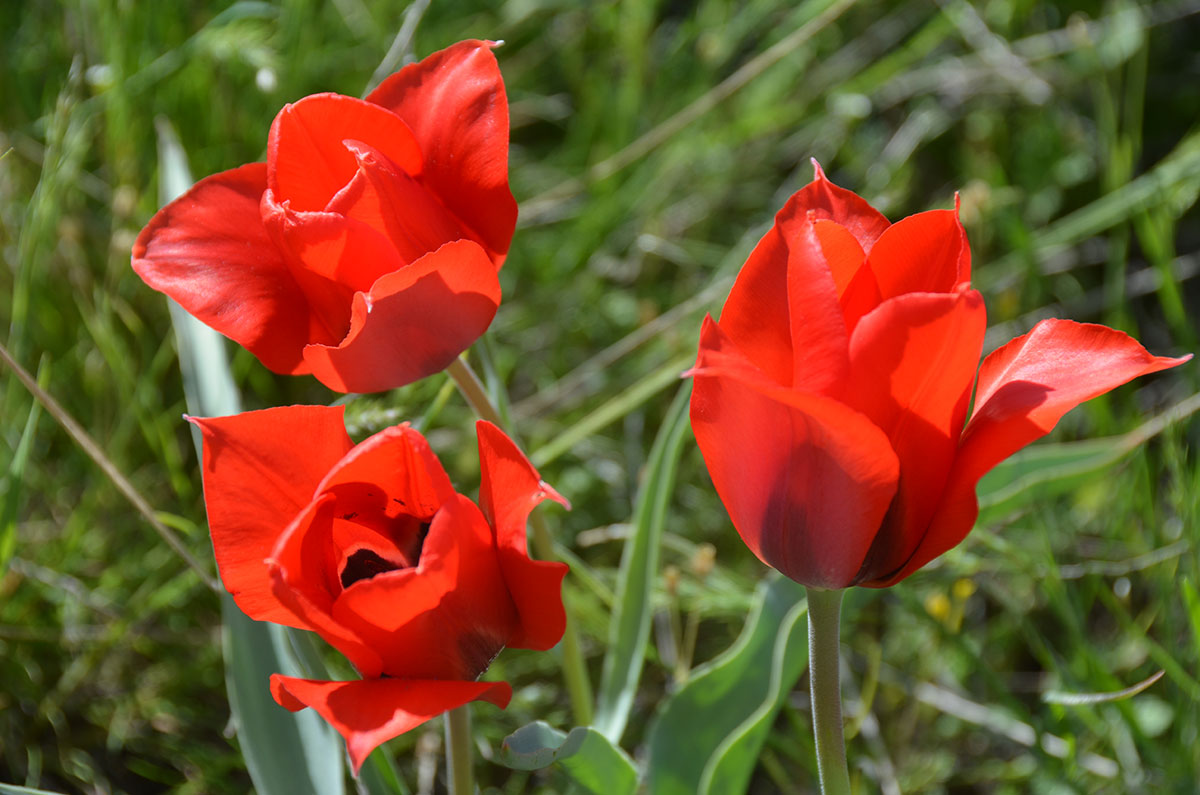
(93, 451)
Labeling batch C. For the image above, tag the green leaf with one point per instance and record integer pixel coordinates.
(629, 628)
(10, 483)
(272, 739)
(13, 789)
(707, 737)
(585, 755)
(1048, 469)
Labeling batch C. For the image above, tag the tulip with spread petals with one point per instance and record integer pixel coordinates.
(370, 547)
(365, 250)
(831, 399)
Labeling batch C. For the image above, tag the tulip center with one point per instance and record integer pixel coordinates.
(370, 543)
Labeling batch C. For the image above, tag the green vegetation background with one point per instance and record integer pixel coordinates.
(652, 143)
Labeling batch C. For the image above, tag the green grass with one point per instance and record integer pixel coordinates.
(647, 157)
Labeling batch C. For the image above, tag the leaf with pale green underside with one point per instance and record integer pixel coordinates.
(584, 754)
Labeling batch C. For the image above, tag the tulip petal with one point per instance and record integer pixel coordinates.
(413, 322)
(1024, 388)
(805, 479)
(411, 218)
(926, 252)
(254, 484)
(509, 490)
(448, 618)
(398, 463)
(209, 251)
(304, 579)
(454, 102)
(912, 366)
(369, 712)
(842, 206)
(783, 311)
(307, 161)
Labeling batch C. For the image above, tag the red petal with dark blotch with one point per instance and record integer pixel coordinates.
(255, 484)
(304, 578)
(509, 490)
(912, 366)
(446, 619)
(805, 479)
(210, 251)
(369, 712)
(455, 104)
(1024, 388)
(926, 252)
(307, 159)
(413, 322)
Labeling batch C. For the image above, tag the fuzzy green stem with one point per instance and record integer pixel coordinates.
(579, 687)
(458, 751)
(824, 615)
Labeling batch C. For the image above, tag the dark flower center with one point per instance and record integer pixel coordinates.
(363, 565)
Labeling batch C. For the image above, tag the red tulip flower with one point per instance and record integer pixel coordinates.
(370, 547)
(365, 250)
(831, 399)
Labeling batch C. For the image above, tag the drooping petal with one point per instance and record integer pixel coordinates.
(255, 484)
(447, 618)
(399, 465)
(1024, 388)
(304, 579)
(845, 207)
(454, 102)
(509, 490)
(926, 252)
(783, 311)
(209, 251)
(369, 712)
(397, 206)
(413, 322)
(307, 161)
(805, 479)
(912, 366)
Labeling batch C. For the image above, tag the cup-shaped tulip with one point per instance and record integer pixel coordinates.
(831, 400)
(365, 250)
(370, 547)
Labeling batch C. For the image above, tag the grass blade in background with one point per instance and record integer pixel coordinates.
(286, 753)
(629, 628)
(708, 735)
(10, 484)
(591, 761)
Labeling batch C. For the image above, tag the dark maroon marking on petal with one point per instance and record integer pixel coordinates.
(478, 649)
(349, 516)
(363, 565)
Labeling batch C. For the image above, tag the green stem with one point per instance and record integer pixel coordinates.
(579, 686)
(458, 751)
(824, 614)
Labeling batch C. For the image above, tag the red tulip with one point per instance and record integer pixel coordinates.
(369, 546)
(830, 401)
(365, 250)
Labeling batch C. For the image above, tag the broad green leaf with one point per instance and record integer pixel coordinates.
(286, 753)
(708, 735)
(629, 628)
(13, 789)
(1047, 469)
(585, 755)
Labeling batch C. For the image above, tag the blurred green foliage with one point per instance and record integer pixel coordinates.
(652, 143)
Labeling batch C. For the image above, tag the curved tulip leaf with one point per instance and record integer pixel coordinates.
(1048, 469)
(13, 789)
(591, 761)
(271, 738)
(708, 735)
(629, 628)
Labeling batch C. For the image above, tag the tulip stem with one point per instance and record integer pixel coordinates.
(458, 751)
(824, 617)
(575, 674)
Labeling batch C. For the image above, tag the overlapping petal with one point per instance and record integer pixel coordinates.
(210, 251)
(369, 712)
